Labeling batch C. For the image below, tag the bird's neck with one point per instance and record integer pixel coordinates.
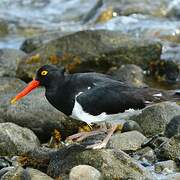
(59, 96)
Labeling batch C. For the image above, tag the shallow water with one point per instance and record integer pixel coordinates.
(27, 18)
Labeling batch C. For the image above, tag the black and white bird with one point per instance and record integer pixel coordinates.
(92, 97)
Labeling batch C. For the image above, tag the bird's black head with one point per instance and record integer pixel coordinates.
(47, 76)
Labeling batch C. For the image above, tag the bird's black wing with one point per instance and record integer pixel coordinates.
(110, 98)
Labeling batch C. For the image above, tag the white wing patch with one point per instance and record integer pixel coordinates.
(80, 114)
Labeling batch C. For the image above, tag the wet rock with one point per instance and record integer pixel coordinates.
(33, 112)
(16, 140)
(128, 141)
(90, 51)
(31, 44)
(9, 59)
(130, 73)
(130, 126)
(173, 127)
(165, 167)
(153, 119)
(111, 163)
(84, 172)
(28, 173)
(3, 28)
(171, 149)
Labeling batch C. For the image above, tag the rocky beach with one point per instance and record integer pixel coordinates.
(136, 42)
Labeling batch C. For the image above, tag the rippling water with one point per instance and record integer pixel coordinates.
(26, 18)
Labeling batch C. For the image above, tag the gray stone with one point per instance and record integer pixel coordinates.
(33, 43)
(37, 175)
(153, 119)
(90, 50)
(84, 172)
(146, 155)
(130, 126)
(173, 127)
(171, 149)
(29, 173)
(128, 141)
(165, 167)
(16, 140)
(9, 59)
(113, 164)
(131, 74)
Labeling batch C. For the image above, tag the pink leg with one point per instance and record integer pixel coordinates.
(83, 135)
(106, 140)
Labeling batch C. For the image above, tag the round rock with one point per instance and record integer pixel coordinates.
(16, 140)
(127, 141)
(153, 119)
(9, 59)
(84, 172)
(130, 74)
(173, 127)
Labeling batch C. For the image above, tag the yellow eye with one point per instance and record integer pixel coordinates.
(43, 73)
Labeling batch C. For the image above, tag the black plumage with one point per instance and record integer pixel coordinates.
(99, 93)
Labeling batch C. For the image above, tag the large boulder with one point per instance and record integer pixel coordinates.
(129, 73)
(16, 140)
(112, 164)
(90, 50)
(9, 59)
(127, 141)
(153, 119)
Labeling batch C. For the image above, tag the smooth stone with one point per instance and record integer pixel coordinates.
(130, 73)
(127, 141)
(173, 127)
(130, 126)
(84, 172)
(77, 52)
(9, 59)
(111, 163)
(16, 140)
(154, 118)
(37, 175)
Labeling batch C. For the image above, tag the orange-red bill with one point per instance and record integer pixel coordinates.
(32, 85)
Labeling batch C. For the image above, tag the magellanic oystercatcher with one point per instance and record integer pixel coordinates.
(91, 97)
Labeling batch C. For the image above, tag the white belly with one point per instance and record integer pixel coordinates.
(79, 113)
